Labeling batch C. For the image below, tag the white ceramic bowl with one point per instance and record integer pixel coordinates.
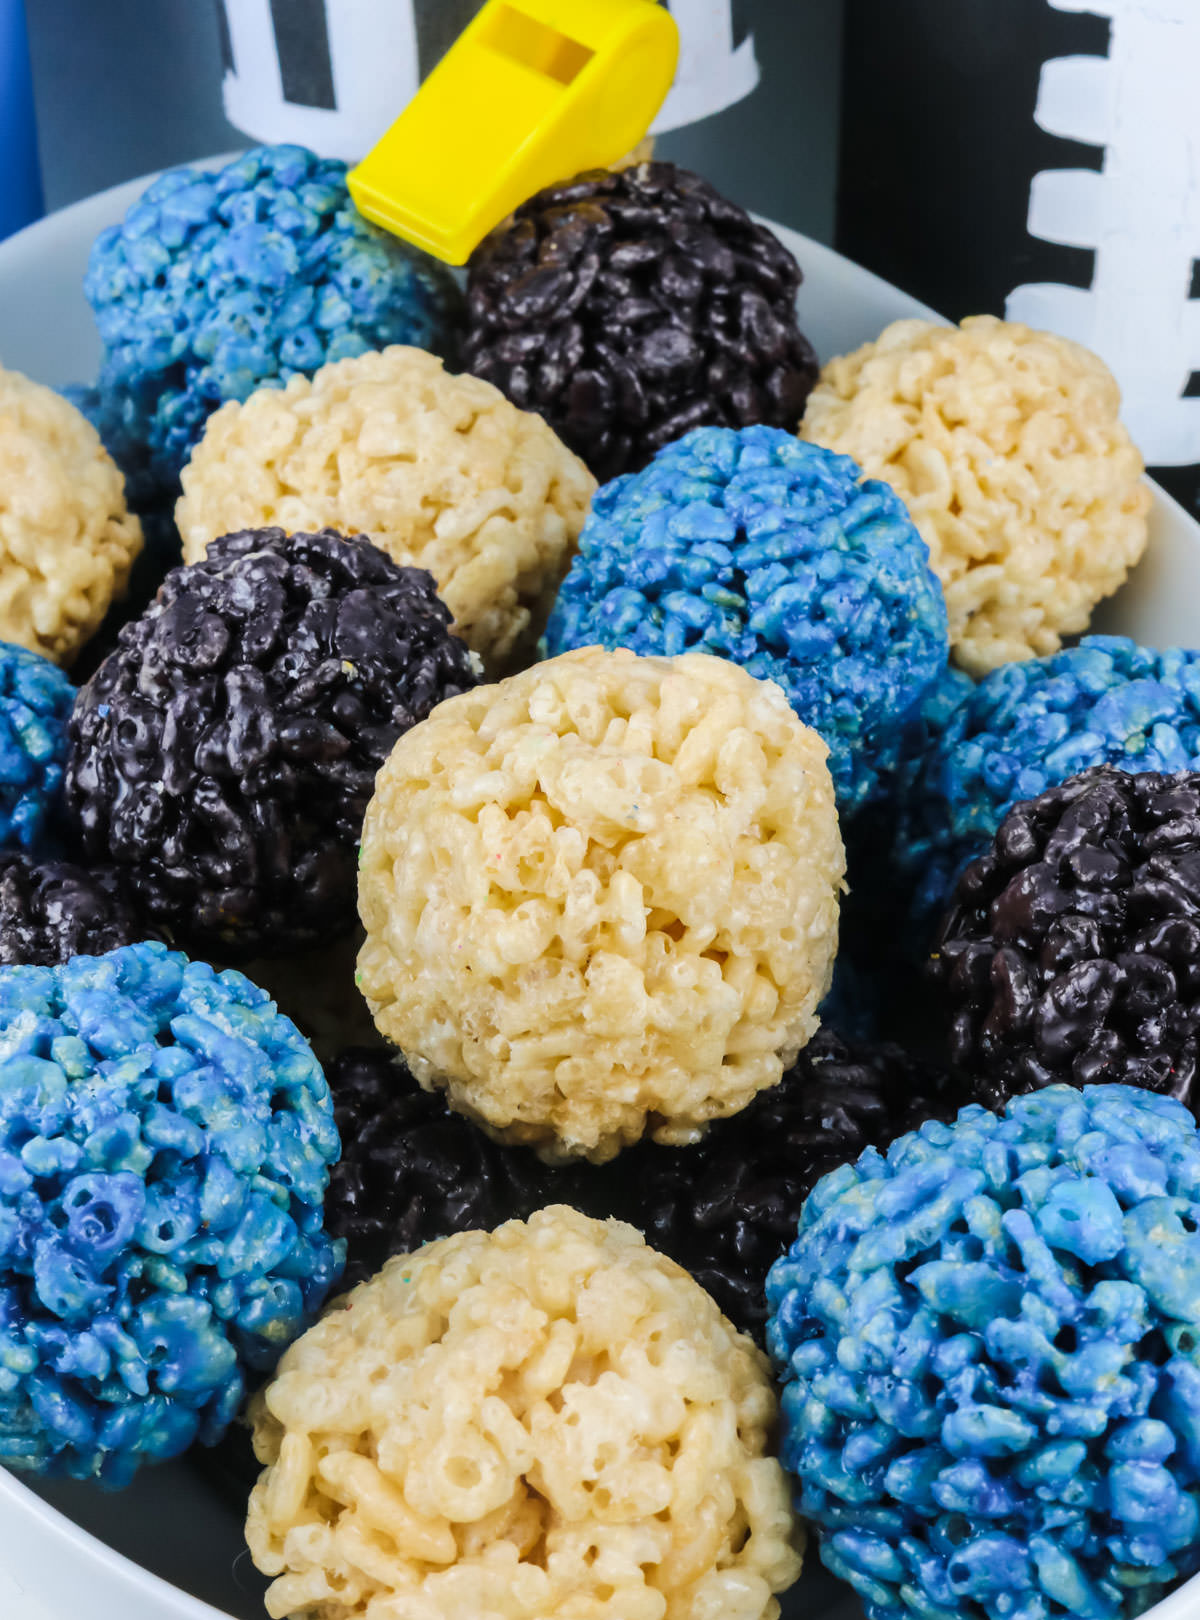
(170, 1547)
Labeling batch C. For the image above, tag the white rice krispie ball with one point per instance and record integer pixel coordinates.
(67, 542)
(1006, 446)
(602, 898)
(546, 1422)
(440, 471)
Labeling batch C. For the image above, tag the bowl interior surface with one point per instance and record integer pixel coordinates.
(170, 1547)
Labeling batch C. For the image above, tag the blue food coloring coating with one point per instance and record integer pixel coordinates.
(216, 284)
(1026, 727)
(165, 1144)
(781, 557)
(35, 701)
(989, 1342)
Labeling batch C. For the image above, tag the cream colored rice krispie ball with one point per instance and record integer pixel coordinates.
(1006, 446)
(438, 470)
(67, 542)
(546, 1422)
(602, 897)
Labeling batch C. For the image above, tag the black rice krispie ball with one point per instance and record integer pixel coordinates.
(1071, 949)
(412, 1171)
(727, 1208)
(51, 911)
(224, 753)
(628, 307)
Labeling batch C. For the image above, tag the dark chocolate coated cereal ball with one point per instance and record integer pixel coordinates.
(727, 1208)
(1071, 951)
(412, 1171)
(224, 753)
(628, 308)
(51, 911)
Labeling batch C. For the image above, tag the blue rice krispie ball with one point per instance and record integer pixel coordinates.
(781, 557)
(989, 1341)
(218, 283)
(35, 703)
(165, 1144)
(1025, 727)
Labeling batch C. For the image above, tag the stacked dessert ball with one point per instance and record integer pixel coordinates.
(67, 541)
(224, 753)
(988, 1339)
(1007, 448)
(217, 283)
(439, 470)
(778, 556)
(1072, 951)
(165, 1138)
(525, 799)
(423, 1477)
(602, 897)
(627, 308)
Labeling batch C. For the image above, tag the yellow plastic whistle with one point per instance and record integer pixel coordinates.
(533, 91)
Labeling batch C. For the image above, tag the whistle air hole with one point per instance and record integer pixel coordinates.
(536, 45)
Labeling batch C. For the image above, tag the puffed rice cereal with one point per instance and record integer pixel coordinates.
(67, 542)
(1006, 446)
(601, 898)
(440, 471)
(546, 1422)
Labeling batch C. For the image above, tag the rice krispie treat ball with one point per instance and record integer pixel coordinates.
(989, 1341)
(411, 1170)
(224, 754)
(51, 911)
(218, 283)
(1006, 446)
(1071, 950)
(977, 751)
(35, 704)
(165, 1142)
(439, 470)
(628, 308)
(781, 557)
(67, 542)
(549, 1420)
(601, 898)
(727, 1207)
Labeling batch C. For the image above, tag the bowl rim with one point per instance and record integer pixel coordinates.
(174, 1602)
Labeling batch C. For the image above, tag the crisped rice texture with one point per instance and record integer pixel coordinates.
(224, 754)
(411, 1170)
(628, 308)
(727, 1208)
(1072, 948)
(67, 541)
(51, 911)
(1006, 446)
(779, 556)
(979, 750)
(438, 470)
(601, 898)
(990, 1348)
(218, 283)
(546, 1422)
(35, 703)
(165, 1142)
